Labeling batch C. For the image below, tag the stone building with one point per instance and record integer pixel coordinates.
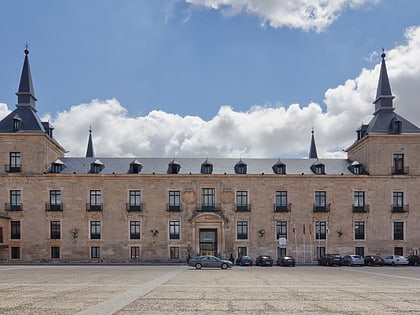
(97, 209)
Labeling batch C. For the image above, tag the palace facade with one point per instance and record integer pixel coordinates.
(97, 209)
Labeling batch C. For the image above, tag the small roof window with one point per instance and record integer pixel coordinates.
(135, 167)
(240, 167)
(279, 167)
(206, 167)
(318, 168)
(96, 167)
(173, 167)
(57, 166)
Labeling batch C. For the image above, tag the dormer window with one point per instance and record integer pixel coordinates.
(206, 167)
(173, 168)
(240, 167)
(396, 126)
(318, 168)
(57, 167)
(135, 167)
(279, 168)
(356, 168)
(96, 167)
(17, 123)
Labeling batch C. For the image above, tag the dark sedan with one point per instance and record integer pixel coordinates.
(330, 260)
(374, 260)
(414, 260)
(286, 261)
(209, 261)
(264, 260)
(244, 261)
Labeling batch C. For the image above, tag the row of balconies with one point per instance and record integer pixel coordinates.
(205, 207)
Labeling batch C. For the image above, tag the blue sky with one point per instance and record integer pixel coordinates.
(214, 60)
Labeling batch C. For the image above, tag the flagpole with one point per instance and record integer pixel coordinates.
(304, 244)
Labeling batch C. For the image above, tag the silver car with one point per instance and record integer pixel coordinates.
(396, 260)
(209, 261)
(353, 260)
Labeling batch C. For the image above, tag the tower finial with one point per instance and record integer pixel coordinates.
(312, 151)
(89, 151)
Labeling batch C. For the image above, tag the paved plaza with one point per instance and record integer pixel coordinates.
(138, 289)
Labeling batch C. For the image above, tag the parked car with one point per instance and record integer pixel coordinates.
(286, 261)
(374, 260)
(414, 260)
(353, 260)
(396, 260)
(210, 261)
(244, 261)
(264, 260)
(330, 260)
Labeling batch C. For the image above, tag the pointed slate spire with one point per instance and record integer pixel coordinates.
(384, 96)
(26, 94)
(89, 151)
(312, 151)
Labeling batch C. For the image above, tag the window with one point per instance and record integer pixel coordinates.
(320, 201)
(281, 229)
(95, 230)
(17, 123)
(15, 252)
(55, 200)
(397, 201)
(321, 230)
(95, 252)
(359, 201)
(57, 167)
(55, 252)
(359, 251)
(174, 200)
(55, 230)
(15, 200)
(96, 167)
(173, 252)
(242, 230)
(134, 203)
(359, 230)
(319, 169)
(95, 199)
(1, 234)
(279, 168)
(242, 201)
(320, 252)
(399, 251)
(14, 162)
(135, 252)
(240, 167)
(134, 230)
(281, 201)
(208, 198)
(206, 168)
(15, 230)
(398, 164)
(135, 167)
(174, 168)
(398, 231)
(174, 230)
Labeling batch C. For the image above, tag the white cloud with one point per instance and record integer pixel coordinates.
(262, 131)
(304, 14)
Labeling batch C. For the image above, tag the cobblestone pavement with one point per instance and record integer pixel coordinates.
(138, 289)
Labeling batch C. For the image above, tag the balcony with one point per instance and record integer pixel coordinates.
(94, 206)
(399, 209)
(208, 207)
(16, 168)
(54, 206)
(282, 208)
(134, 207)
(399, 170)
(360, 209)
(242, 208)
(321, 208)
(174, 208)
(13, 207)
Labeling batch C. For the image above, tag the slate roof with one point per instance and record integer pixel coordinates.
(80, 165)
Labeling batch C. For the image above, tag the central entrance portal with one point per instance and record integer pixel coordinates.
(208, 242)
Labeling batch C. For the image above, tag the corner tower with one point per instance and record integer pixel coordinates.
(389, 142)
(26, 143)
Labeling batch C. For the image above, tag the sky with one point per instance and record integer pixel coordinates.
(210, 78)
